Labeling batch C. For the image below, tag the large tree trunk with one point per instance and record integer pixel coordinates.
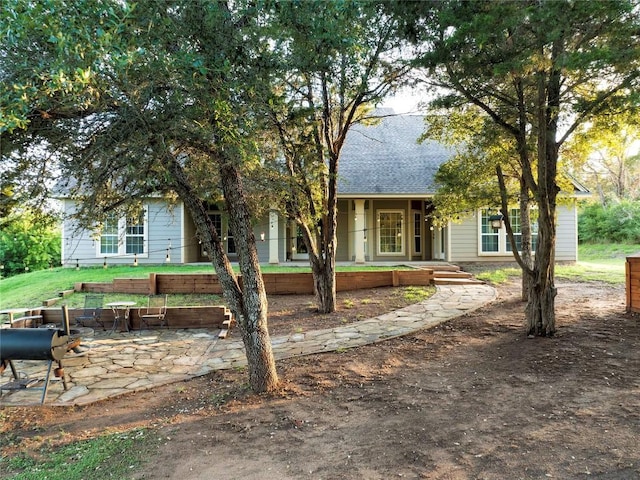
(324, 276)
(540, 309)
(249, 301)
(325, 270)
(323, 266)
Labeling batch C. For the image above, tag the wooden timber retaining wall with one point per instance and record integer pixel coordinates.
(209, 316)
(275, 283)
(633, 283)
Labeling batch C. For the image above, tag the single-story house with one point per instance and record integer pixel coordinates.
(385, 200)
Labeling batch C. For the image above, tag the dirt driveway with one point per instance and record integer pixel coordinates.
(472, 399)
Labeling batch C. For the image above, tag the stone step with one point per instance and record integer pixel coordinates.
(457, 281)
(441, 268)
(451, 274)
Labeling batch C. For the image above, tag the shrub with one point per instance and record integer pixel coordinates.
(28, 243)
(617, 223)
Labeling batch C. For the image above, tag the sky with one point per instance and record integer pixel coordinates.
(405, 101)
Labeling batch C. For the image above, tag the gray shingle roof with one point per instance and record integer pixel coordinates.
(387, 159)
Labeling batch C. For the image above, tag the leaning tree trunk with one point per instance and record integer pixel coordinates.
(526, 239)
(249, 302)
(522, 254)
(255, 332)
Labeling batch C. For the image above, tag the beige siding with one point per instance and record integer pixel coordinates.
(163, 228)
(464, 239)
(192, 249)
(567, 233)
(343, 233)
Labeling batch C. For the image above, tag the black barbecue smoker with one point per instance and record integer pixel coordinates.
(48, 344)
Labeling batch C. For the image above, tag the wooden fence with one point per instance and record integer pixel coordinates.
(275, 283)
(633, 283)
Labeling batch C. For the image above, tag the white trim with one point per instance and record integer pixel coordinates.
(448, 235)
(183, 234)
(273, 237)
(360, 225)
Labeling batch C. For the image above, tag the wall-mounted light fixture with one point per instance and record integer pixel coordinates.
(496, 221)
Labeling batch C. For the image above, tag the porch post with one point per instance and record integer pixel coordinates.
(359, 232)
(273, 237)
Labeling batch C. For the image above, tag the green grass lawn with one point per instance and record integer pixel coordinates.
(601, 262)
(31, 289)
(597, 262)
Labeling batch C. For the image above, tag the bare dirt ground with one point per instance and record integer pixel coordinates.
(471, 399)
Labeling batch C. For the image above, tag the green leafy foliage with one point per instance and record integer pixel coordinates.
(617, 223)
(28, 242)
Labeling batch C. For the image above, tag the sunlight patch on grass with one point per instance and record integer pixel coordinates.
(606, 253)
(613, 273)
(498, 275)
(417, 294)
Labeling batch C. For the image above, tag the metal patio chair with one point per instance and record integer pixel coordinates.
(92, 312)
(155, 311)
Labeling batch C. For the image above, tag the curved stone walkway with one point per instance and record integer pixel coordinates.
(121, 363)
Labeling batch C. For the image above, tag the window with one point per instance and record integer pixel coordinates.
(299, 245)
(516, 227)
(495, 241)
(417, 232)
(390, 232)
(134, 235)
(109, 236)
(490, 236)
(123, 236)
(231, 244)
(216, 219)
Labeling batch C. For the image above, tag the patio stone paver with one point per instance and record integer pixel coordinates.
(119, 363)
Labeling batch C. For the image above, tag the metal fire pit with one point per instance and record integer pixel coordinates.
(34, 344)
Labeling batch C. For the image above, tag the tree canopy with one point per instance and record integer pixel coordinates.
(166, 109)
(539, 68)
(339, 60)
